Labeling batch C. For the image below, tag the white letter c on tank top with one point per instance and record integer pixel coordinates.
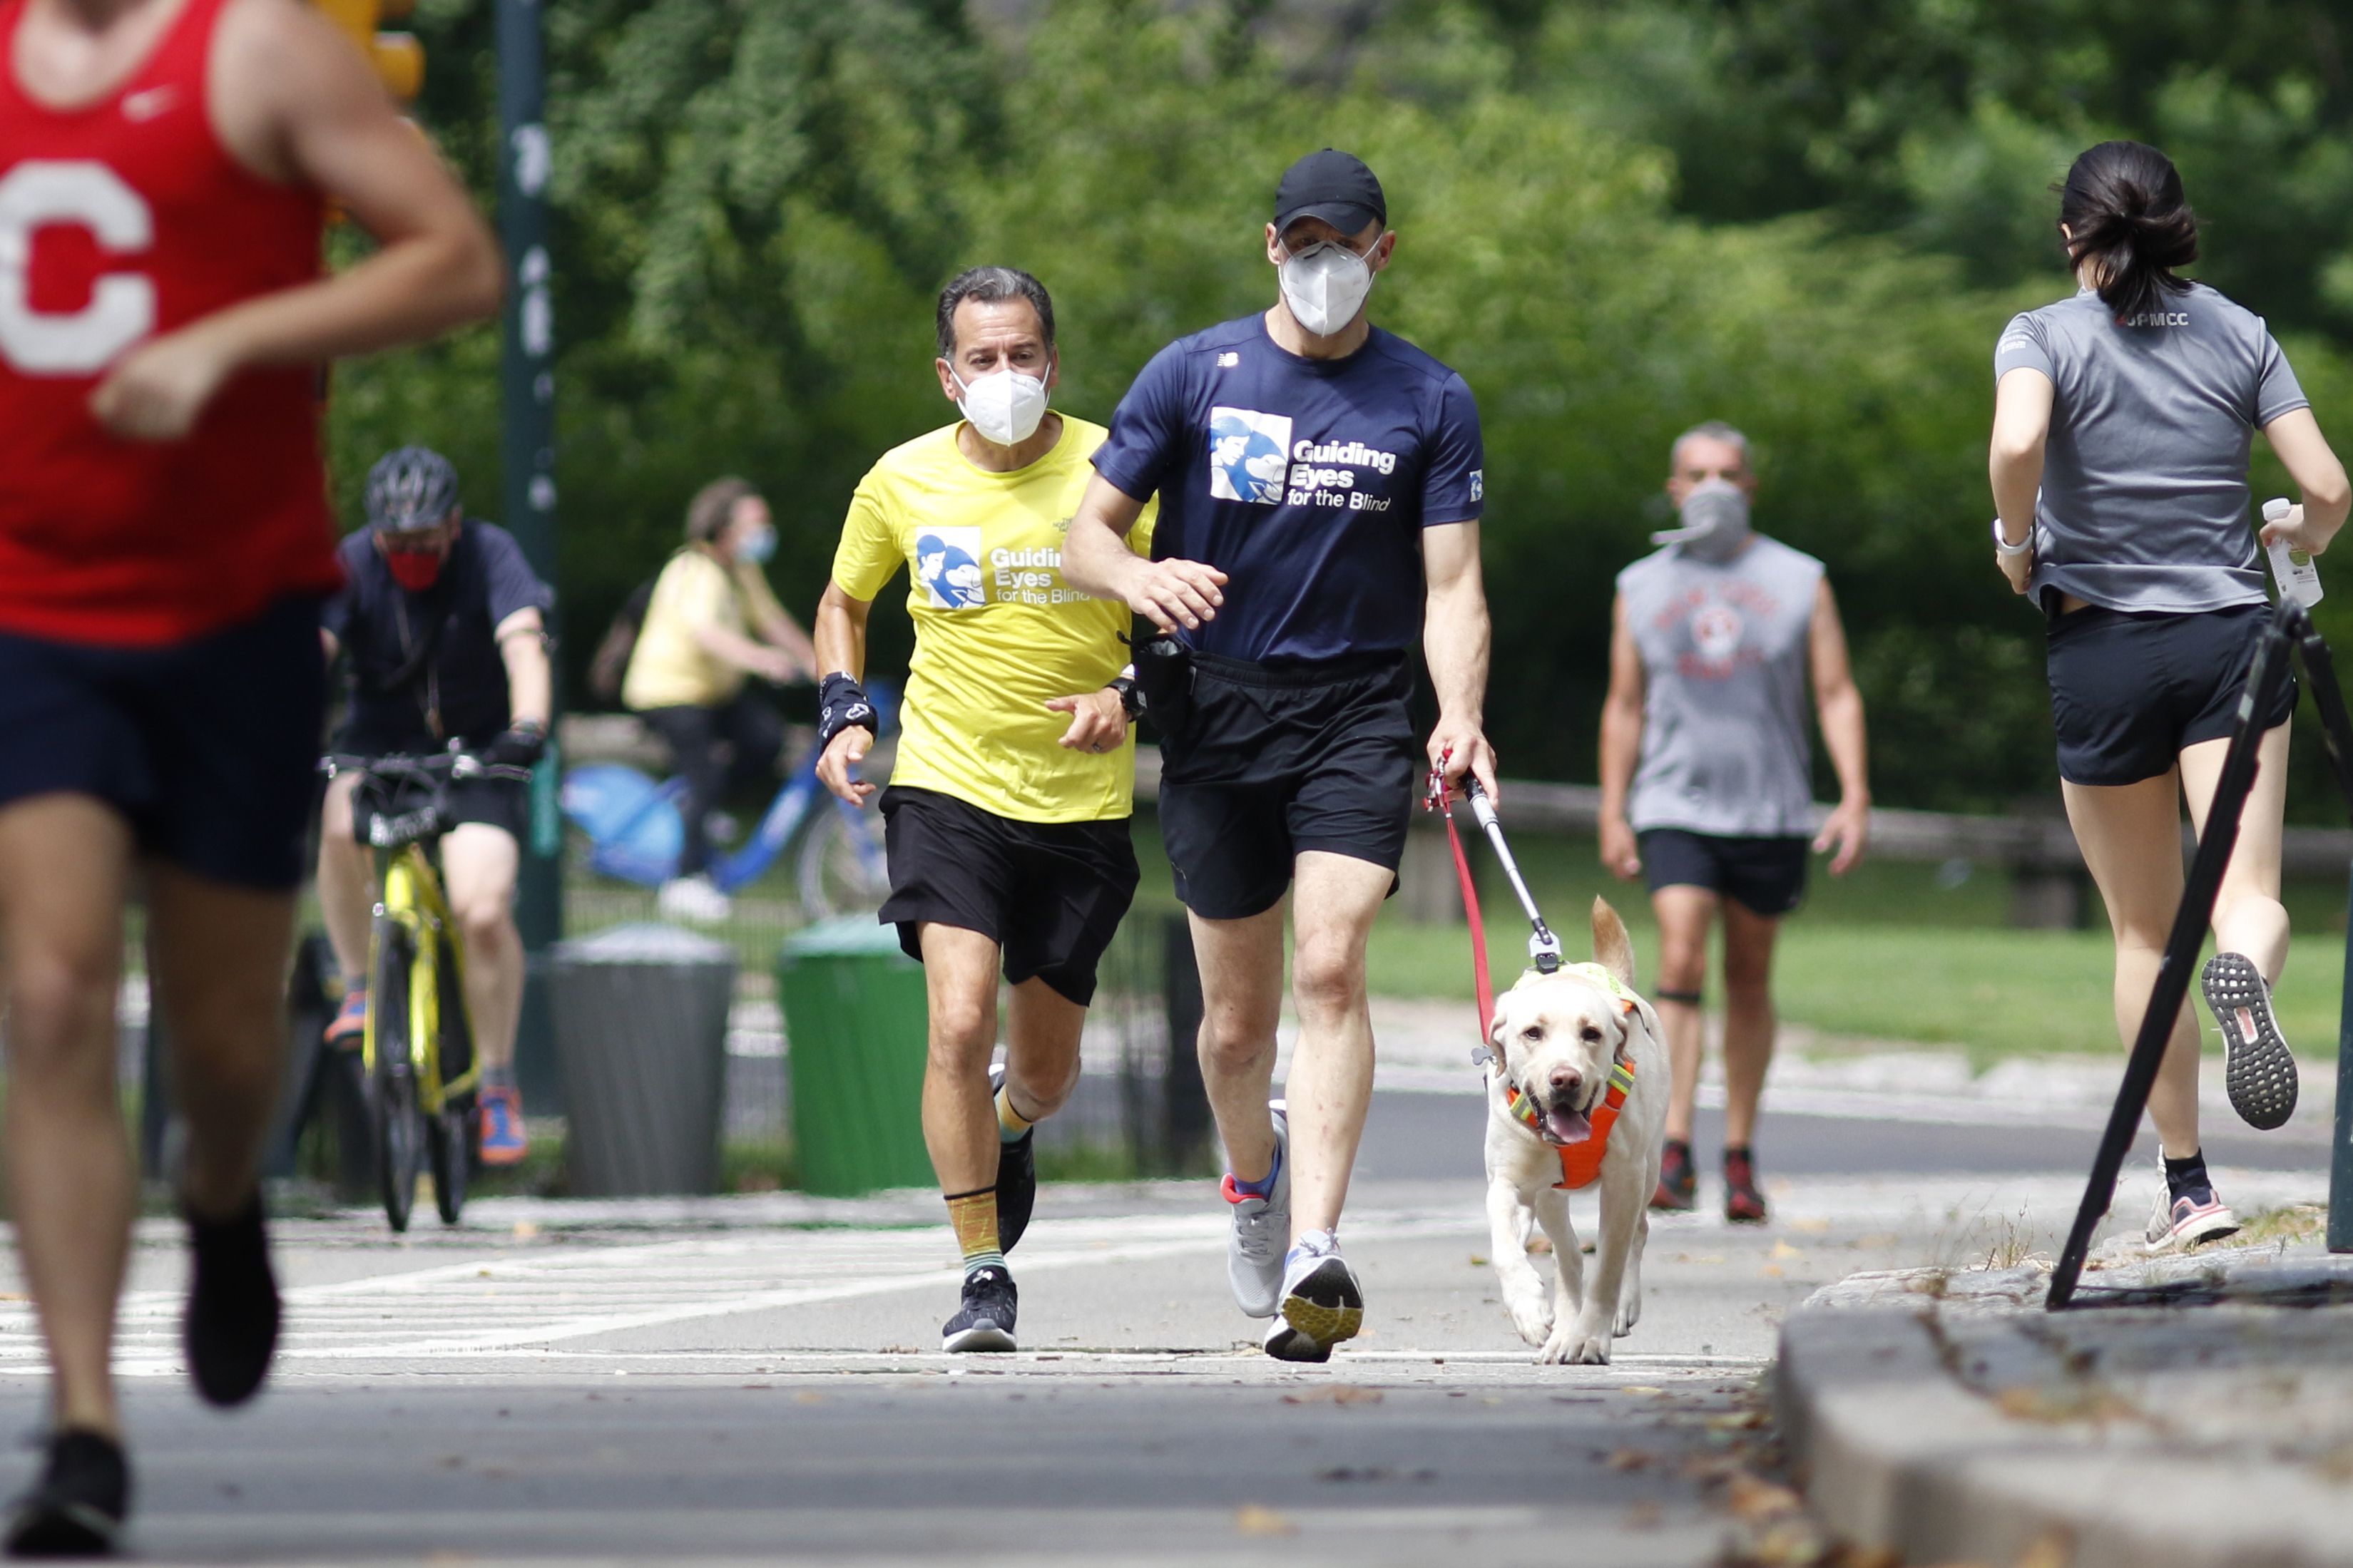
(38, 195)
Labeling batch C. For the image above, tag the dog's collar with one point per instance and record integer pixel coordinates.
(1580, 1163)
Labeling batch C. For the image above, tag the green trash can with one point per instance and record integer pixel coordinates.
(857, 1020)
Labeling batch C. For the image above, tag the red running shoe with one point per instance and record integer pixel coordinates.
(1678, 1180)
(1743, 1204)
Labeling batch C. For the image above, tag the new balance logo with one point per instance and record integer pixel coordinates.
(147, 105)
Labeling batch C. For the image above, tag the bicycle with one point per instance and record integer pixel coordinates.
(635, 832)
(417, 1051)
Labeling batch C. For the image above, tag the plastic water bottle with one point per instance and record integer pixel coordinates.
(2292, 568)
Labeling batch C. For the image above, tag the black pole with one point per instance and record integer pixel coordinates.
(2265, 675)
(2337, 729)
(527, 443)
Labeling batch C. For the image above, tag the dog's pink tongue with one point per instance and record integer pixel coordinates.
(1565, 1126)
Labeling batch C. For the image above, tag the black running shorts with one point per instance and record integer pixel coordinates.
(2130, 692)
(1765, 875)
(209, 748)
(1050, 893)
(1274, 760)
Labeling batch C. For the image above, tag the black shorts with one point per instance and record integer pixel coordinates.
(2130, 692)
(1765, 875)
(1277, 759)
(1050, 893)
(208, 748)
(502, 804)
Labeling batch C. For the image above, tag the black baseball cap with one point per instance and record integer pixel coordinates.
(1332, 185)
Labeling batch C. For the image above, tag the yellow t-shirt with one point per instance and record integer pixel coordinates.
(667, 669)
(997, 632)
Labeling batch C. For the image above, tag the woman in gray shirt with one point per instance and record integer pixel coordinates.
(2123, 418)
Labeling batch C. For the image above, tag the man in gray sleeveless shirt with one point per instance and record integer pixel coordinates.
(1706, 773)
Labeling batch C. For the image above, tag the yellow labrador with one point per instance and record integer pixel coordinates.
(1556, 1041)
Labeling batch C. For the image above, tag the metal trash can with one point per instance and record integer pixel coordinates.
(641, 1038)
(856, 1024)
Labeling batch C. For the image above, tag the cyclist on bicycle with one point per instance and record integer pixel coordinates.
(445, 625)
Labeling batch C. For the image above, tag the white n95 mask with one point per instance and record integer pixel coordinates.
(1005, 405)
(1714, 521)
(1325, 285)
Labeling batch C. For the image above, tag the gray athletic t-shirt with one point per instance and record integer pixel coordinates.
(1723, 647)
(2144, 503)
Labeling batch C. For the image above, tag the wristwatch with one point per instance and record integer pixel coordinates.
(2002, 546)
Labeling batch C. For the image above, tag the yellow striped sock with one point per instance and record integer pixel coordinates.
(1011, 1123)
(974, 1217)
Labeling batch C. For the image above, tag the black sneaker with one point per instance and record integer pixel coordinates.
(231, 1328)
(1678, 1179)
(77, 1510)
(986, 1320)
(2258, 1069)
(1016, 1175)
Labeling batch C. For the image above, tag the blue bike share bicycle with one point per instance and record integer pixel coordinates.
(635, 832)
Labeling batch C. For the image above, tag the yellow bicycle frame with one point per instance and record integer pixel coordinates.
(413, 899)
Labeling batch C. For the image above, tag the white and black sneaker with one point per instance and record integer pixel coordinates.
(984, 1321)
(1016, 1175)
(1321, 1302)
(2258, 1069)
(78, 1508)
(1262, 1230)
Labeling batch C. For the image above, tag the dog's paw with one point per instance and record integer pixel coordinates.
(1532, 1315)
(1630, 1312)
(1575, 1343)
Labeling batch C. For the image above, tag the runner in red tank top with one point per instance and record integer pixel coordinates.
(163, 544)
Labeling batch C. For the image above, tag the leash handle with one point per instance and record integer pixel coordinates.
(1543, 947)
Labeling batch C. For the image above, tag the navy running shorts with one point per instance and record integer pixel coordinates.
(209, 748)
(1273, 760)
(1765, 875)
(2130, 692)
(1051, 894)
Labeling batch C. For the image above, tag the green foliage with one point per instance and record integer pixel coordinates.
(1811, 219)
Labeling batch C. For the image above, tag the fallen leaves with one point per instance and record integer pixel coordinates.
(1643, 1515)
(1257, 1518)
(1334, 1394)
(1630, 1460)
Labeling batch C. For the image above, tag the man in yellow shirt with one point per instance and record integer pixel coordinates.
(1006, 820)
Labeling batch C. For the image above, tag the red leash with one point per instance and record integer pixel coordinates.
(1436, 796)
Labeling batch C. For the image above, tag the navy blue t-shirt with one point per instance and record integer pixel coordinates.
(377, 621)
(1307, 482)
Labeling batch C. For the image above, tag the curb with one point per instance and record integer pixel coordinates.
(1899, 1454)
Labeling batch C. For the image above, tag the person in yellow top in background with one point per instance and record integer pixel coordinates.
(711, 623)
(1005, 821)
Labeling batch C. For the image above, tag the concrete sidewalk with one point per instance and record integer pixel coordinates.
(2189, 1411)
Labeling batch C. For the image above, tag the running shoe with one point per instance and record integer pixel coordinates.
(1321, 1302)
(350, 1022)
(231, 1327)
(2191, 1219)
(505, 1141)
(694, 899)
(984, 1321)
(2257, 1068)
(1262, 1230)
(1016, 1175)
(1678, 1180)
(77, 1507)
(1743, 1204)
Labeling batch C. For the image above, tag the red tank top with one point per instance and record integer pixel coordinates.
(121, 221)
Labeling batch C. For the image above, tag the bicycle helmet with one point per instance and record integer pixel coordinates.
(410, 490)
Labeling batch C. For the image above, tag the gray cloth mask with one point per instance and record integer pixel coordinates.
(1715, 522)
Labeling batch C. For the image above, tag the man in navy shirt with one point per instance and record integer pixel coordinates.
(1320, 483)
(444, 624)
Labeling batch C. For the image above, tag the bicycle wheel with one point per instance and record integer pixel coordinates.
(840, 866)
(449, 1135)
(393, 1084)
(449, 1144)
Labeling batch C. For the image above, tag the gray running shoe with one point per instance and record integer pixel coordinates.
(1321, 1302)
(2257, 1067)
(1262, 1231)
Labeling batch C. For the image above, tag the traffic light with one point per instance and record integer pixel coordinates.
(398, 58)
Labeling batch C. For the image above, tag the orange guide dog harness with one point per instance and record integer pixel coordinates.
(1580, 1163)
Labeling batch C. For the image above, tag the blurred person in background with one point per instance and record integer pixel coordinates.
(711, 624)
(1707, 777)
(445, 626)
(2122, 419)
(1007, 818)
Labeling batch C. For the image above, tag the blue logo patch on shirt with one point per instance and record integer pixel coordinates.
(1248, 455)
(947, 562)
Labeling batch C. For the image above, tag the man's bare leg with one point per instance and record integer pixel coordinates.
(1241, 1003)
(479, 864)
(960, 970)
(1330, 1086)
(346, 880)
(1042, 1028)
(65, 872)
(1684, 914)
(1748, 1021)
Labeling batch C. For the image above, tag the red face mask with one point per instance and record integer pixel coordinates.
(415, 570)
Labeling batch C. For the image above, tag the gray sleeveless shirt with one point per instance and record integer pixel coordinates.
(1725, 668)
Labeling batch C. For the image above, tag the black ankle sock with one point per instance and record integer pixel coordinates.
(2187, 1177)
(233, 1311)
